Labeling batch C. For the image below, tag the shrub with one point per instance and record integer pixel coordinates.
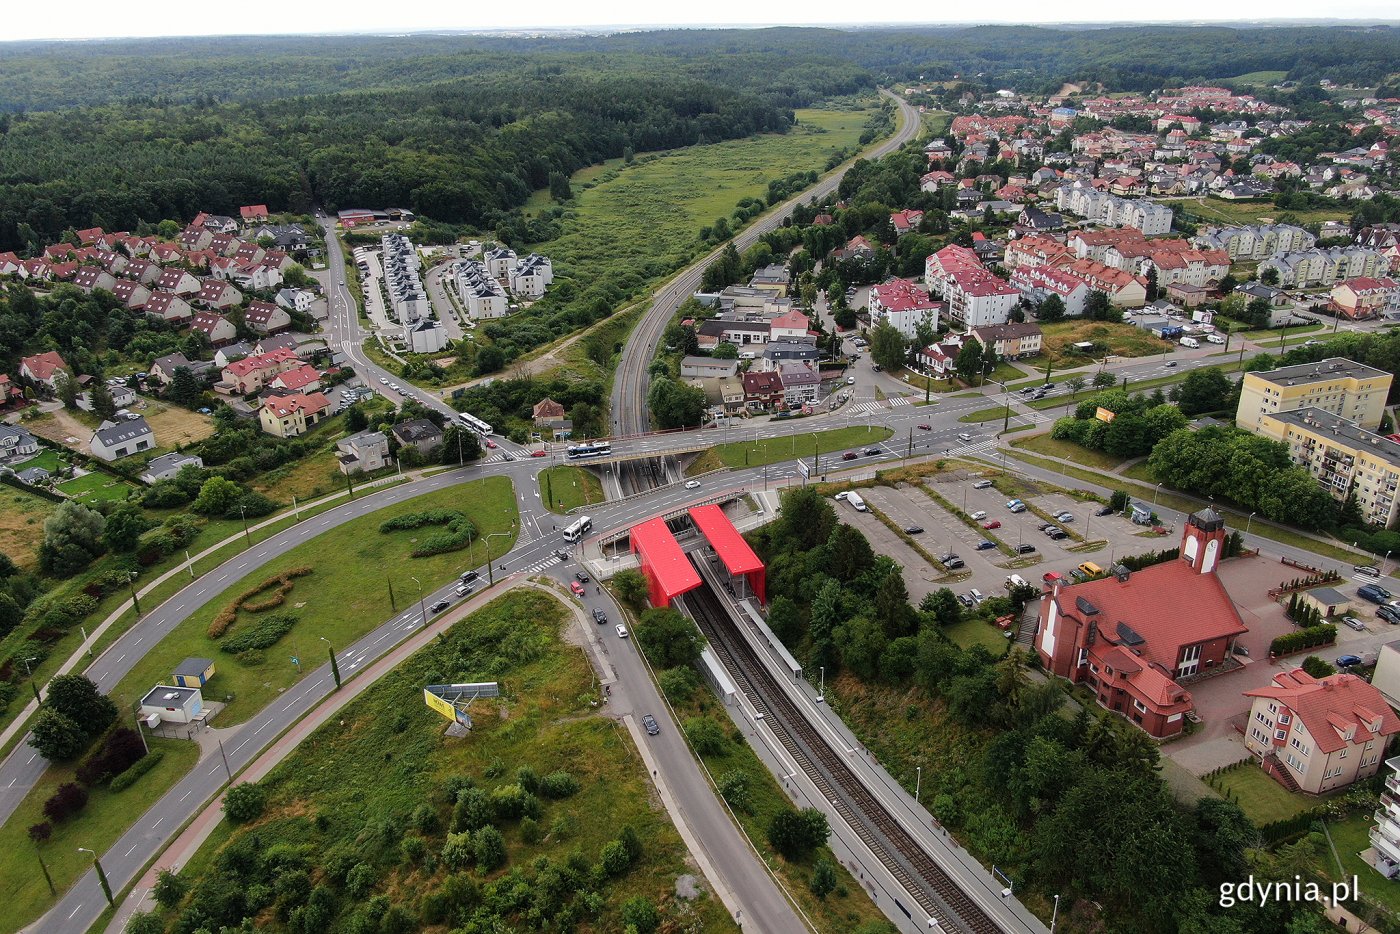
(679, 684)
(169, 889)
(244, 802)
(490, 849)
(823, 878)
(734, 788)
(145, 922)
(640, 915)
(263, 635)
(795, 834)
(706, 736)
(143, 765)
(530, 830)
(282, 582)
(360, 880)
(413, 849)
(67, 800)
(558, 785)
(41, 831)
(1323, 634)
(613, 861)
(121, 750)
(457, 852)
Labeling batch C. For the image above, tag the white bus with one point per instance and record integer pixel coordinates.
(580, 527)
(474, 423)
(580, 451)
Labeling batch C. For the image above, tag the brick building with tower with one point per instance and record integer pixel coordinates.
(1131, 637)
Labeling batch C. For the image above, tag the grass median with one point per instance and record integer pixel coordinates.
(761, 451)
(564, 487)
(354, 566)
(23, 894)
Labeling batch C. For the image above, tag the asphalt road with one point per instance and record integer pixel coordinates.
(629, 411)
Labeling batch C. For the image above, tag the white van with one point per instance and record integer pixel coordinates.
(1190, 342)
(1015, 580)
(854, 499)
(1216, 338)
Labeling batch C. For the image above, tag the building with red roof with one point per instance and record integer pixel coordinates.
(1366, 297)
(732, 551)
(904, 305)
(43, 368)
(1132, 638)
(253, 212)
(905, 221)
(252, 373)
(1319, 734)
(668, 571)
(304, 378)
(292, 415)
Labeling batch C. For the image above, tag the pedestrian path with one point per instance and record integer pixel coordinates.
(543, 563)
(899, 400)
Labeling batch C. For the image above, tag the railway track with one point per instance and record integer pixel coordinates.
(936, 892)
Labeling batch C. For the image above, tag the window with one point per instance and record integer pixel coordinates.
(1139, 706)
(1280, 734)
(1344, 753)
(1283, 720)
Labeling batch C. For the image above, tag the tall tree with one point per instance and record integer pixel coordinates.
(72, 538)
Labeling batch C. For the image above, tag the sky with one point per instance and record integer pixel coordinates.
(96, 19)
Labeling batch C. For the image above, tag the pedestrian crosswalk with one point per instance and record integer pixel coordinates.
(898, 401)
(983, 447)
(540, 565)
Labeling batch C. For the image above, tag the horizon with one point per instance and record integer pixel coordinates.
(30, 25)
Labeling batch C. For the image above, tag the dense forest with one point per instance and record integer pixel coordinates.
(46, 76)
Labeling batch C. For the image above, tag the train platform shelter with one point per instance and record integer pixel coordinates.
(745, 568)
(668, 571)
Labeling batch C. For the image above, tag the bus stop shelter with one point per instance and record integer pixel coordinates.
(668, 571)
(731, 549)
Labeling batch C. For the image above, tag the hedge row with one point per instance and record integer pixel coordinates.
(458, 534)
(1324, 634)
(119, 751)
(283, 582)
(141, 767)
(261, 636)
(416, 520)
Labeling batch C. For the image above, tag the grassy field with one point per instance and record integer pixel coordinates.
(96, 487)
(23, 894)
(1068, 450)
(843, 910)
(1260, 797)
(346, 596)
(1351, 837)
(762, 451)
(353, 784)
(1121, 340)
(46, 458)
(1215, 210)
(649, 213)
(176, 427)
(569, 487)
(970, 632)
(1256, 79)
(22, 518)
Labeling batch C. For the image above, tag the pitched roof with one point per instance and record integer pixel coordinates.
(43, 365)
(110, 433)
(1331, 706)
(309, 403)
(261, 312)
(298, 378)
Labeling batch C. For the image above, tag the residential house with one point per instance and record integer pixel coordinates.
(424, 336)
(1319, 734)
(1255, 241)
(547, 411)
(762, 391)
(167, 306)
(790, 326)
(252, 373)
(43, 369)
(218, 329)
(304, 378)
(479, 291)
(1364, 297)
(499, 262)
(295, 299)
(776, 352)
(266, 318)
(531, 276)
(115, 440)
(16, 442)
(1038, 283)
(253, 213)
(723, 395)
(939, 360)
(168, 465)
(178, 281)
(716, 331)
(131, 294)
(1010, 341)
(1124, 289)
(122, 396)
(418, 433)
(904, 305)
(258, 276)
(9, 391)
(292, 415)
(1123, 636)
(195, 238)
(702, 367)
(227, 354)
(143, 272)
(281, 342)
(906, 221)
(163, 369)
(1187, 295)
(1344, 458)
(89, 278)
(801, 380)
(364, 452)
(217, 294)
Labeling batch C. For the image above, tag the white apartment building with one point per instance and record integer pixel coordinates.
(1255, 241)
(480, 293)
(1100, 207)
(1307, 268)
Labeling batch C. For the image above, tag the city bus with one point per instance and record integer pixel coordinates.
(474, 423)
(580, 527)
(581, 451)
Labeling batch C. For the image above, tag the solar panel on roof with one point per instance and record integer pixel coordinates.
(1128, 635)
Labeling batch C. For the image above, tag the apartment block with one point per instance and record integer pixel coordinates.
(1343, 458)
(1354, 391)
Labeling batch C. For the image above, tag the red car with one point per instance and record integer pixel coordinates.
(576, 587)
(537, 453)
(926, 428)
(849, 456)
(490, 444)
(994, 524)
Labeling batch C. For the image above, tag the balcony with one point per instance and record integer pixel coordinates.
(1385, 845)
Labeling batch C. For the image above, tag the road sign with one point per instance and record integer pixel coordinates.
(452, 700)
(803, 469)
(296, 661)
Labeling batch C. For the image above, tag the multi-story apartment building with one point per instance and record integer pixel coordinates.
(1256, 241)
(1308, 268)
(1110, 210)
(1343, 457)
(1336, 385)
(1385, 834)
(479, 291)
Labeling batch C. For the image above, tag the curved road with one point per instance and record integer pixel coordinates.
(629, 396)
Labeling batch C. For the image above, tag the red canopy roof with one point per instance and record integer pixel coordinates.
(736, 554)
(667, 569)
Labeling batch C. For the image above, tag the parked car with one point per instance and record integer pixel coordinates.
(1013, 503)
(1348, 661)
(913, 529)
(438, 607)
(1390, 614)
(1051, 576)
(976, 595)
(652, 727)
(981, 484)
(966, 601)
(984, 544)
(979, 515)
(994, 524)
(1050, 529)
(576, 587)
(599, 616)
(1058, 535)
(692, 484)
(1374, 593)
(621, 631)
(1025, 549)
(1351, 622)
(1065, 516)
(951, 561)
(1104, 511)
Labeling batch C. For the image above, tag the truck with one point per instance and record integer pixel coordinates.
(1190, 342)
(854, 499)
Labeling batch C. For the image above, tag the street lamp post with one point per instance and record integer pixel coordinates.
(1157, 491)
(1383, 562)
(918, 781)
(101, 876)
(1055, 914)
(246, 536)
(420, 600)
(1247, 523)
(490, 575)
(821, 691)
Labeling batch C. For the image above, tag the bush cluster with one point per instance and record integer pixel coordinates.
(1323, 634)
(261, 636)
(457, 533)
(69, 799)
(143, 765)
(229, 614)
(119, 751)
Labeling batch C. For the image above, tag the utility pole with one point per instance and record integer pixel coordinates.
(135, 601)
(45, 869)
(247, 536)
(335, 669)
(224, 756)
(144, 744)
(349, 487)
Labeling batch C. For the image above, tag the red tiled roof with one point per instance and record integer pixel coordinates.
(1330, 705)
(299, 378)
(260, 361)
(309, 403)
(43, 365)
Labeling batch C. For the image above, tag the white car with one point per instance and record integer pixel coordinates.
(979, 515)
(394, 386)
(384, 380)
(692, 484)
(850, 380)
(621, 631)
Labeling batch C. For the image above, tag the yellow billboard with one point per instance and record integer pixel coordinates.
(1104, 415)
(441, 706)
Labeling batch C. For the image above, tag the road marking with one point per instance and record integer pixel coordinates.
(290, 706)
(138, 641)
(157, 823)
(223, 576)
(29, 760)
(73, 912)
(127, 853)
(259, 730)
(178, 607)
(186, 794)
(120, 657)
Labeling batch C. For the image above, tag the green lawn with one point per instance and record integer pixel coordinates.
(1215, 210)
(996, 413)
(353, 784)
(1068, 450)
(96, 487)
(970, 632)
(1261, 79)
(346, 596)
(1120, 340)
(790, 447)
(47, 458)
(1262, 799)
(564, 487)
(1351, 837)
(23, 894)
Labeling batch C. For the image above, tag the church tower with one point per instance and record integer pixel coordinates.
(1203, 540)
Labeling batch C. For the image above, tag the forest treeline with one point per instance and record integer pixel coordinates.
(789, 61)
(462, 151)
